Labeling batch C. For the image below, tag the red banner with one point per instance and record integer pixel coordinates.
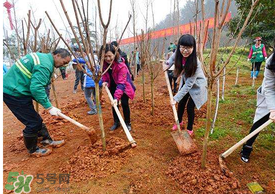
(184, 29)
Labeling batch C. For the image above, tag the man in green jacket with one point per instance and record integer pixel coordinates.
(24, 82)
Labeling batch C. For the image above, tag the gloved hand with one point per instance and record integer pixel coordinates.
(54, 111)
(265, 58)
(114, 103)
(272, 115)
(248, 59)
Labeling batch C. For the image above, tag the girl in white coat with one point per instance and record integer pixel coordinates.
(265, 104)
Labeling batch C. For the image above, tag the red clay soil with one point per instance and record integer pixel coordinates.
(92, 162)
(192, 178)
(154, 166)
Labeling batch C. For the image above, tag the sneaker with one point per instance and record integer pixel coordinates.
(174, 128)
(52, 143)
(128, 125)
(245, 153)
(39, 152)
(190, 132)
(244, 159)
(115, 126)
(92, 112)
(74, 91)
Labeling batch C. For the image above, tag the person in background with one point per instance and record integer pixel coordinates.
(265, 105)
(89, 85)
(5, 69)
(172, 47)
(124, 56)
(138, 60)
(118, 80)
(257, 55)
(192, 88)
(26, 81)
(63, 72)
(79, 75)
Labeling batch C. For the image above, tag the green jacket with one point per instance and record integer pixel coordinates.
(29, 76)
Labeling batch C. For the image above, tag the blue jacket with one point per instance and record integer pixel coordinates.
(88, 81)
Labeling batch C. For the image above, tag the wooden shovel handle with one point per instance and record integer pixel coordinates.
(171, 98)
(241, 142)
(74, 122)
(128, 134)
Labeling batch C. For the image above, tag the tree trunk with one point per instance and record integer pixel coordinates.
(99, 113)
(223, 83)
(217, 105)
(237, 76)
(208, 121)
(152, 92)
(143, 85)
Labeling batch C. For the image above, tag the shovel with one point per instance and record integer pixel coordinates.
(128, 134)
(90, 132)
(182, 139)
(223, 166)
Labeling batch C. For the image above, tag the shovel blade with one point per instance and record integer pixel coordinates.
(184, 142)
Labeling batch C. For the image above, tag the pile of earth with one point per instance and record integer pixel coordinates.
(187, 171)
(92, 162)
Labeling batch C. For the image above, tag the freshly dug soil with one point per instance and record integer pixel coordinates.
(187, 171)
(92, 162)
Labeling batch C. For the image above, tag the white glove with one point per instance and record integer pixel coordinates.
(272, 115)
(54, 111)
(265, 58)
(248, 59)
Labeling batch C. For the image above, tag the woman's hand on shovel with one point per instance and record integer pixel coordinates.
(173, 102)
(105, 84)
(272, 115)
(114, 103)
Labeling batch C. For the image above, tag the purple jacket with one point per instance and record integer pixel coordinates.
(122, 78)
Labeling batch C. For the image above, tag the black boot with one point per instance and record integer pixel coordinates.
(47, 140)
(30, 141)
(129, 126)
(245, 153)
(115, 126)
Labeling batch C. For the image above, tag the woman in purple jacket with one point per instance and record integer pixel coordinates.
(118, 80)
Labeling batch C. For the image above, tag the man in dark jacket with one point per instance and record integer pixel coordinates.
(26, 81)
(124, 56)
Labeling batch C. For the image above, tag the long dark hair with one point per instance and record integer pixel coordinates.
(191, 64)
(271, 65)
(108, 47)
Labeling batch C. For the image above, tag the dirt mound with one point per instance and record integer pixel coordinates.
(92, 162)
(186, 170)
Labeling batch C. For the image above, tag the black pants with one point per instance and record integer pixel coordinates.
(125, 106)
(190, 110)
(255, 126)
(23, 109)
(79, 75)
(63, 73)
(138, 68)
(172, 80)
(257, 66)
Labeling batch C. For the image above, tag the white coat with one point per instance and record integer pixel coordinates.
(266, 94)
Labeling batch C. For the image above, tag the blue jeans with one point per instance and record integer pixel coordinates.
(79, 76)
(23, 109)
(88, 93)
